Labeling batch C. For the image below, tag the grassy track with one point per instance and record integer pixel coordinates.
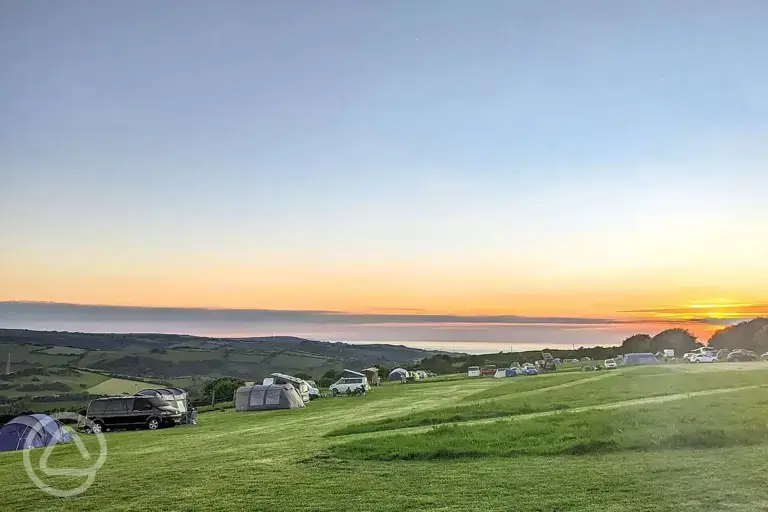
(702, 452)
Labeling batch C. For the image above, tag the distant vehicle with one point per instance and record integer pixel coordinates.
(473, 371)
(131, 412)
(610, 364)
(585, 358)
(669, 353)
(742, 355)
(690, 356)
(314, 390)
(528, 369)
(350, 384)
(764, 357)
(705, 358)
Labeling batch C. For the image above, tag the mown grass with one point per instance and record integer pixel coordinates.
(736, 419)
(258, 462)
(611, 386)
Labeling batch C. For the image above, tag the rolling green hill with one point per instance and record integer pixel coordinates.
(166, 356)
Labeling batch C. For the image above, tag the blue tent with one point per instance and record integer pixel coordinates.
(512, 372)
(34, 430)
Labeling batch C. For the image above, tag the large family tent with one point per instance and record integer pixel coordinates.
(176, 398)
(32, 431)
(639, 358)
(262, 398)
(398, 375)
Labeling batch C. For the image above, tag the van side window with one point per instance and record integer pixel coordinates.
(116, 406)
(141, 404)
(97, 406)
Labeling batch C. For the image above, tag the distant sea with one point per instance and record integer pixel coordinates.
(478, 335)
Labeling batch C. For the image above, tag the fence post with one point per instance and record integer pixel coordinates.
(213, 397)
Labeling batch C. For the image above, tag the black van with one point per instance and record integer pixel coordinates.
(131, 412)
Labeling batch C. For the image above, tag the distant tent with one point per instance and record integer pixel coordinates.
(512, 372)
(32, 431)
(262, 398)
(373, 375)
(639, 358)
(398, 375)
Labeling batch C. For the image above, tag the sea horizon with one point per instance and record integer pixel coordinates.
(450, 333)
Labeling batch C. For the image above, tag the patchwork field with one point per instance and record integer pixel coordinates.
(114, 386)
(673, 437)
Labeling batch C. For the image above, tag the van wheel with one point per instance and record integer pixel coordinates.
(97, 427)
(334, 391)
(153, 424)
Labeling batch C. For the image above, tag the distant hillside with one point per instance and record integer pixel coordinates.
(167, 356)
(752, 335)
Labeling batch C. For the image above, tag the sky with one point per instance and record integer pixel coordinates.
(604, 162)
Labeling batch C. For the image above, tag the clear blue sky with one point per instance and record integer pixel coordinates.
(419, 141)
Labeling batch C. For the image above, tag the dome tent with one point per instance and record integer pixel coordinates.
(398, 375)
(260, 397)
(32, 431)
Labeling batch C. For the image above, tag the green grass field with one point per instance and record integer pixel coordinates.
(114, 386)
(668, 438)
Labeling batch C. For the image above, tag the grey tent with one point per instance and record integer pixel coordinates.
(639, 358)
(261, 398)
(398, 375)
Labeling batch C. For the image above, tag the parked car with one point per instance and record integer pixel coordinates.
(131, 412)
(764, 357)
(345, 384)
(530, 370)
(707, 357)
(473, 371)
(742, 355)
(610, 364)
(314, 389)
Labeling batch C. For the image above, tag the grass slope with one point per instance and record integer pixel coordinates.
(701, 454)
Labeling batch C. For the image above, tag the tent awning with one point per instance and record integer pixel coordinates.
(288, 378)
(354, 372)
